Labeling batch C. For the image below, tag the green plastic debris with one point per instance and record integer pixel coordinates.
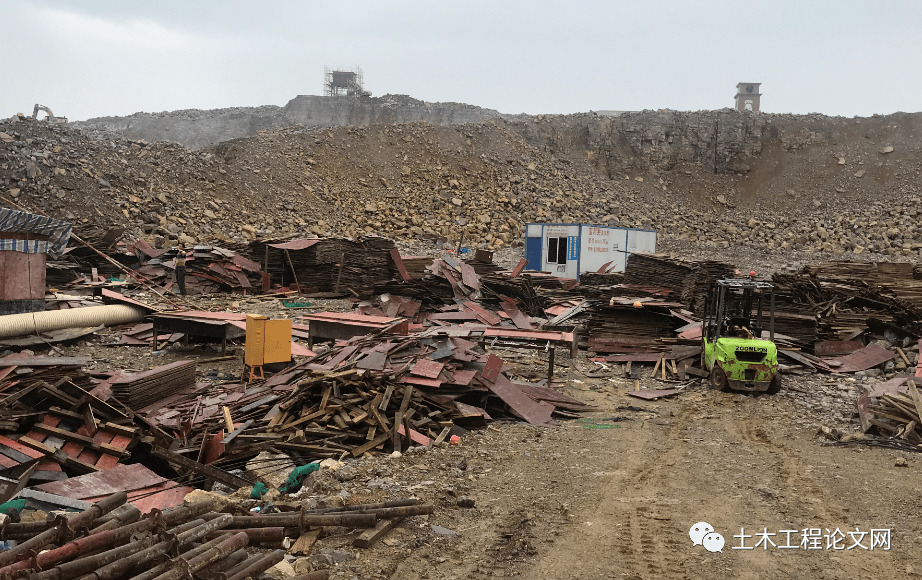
(259, 490)
(16, 504)
(293, 304)
(296, 477)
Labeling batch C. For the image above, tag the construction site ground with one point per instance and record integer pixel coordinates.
(613, 495)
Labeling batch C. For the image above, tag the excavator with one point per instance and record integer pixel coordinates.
(50, 118)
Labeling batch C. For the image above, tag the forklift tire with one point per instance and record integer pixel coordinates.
(719, 379)
(775, 385)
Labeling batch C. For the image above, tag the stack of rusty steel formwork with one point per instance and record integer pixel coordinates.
(142, 389)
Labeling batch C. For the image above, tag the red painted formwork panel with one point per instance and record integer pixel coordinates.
(22, 276)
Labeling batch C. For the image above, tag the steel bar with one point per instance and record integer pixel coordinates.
(254, 566)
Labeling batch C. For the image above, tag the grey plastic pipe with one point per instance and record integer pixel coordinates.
(13, 325)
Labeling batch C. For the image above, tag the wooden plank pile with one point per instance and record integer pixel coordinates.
(209, 269)
(893, 409)
(327, 264)
(687, 279)
(138, 390)
(625, 328)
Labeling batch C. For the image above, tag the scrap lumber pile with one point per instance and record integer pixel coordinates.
(209, 269)
(893, 409)
(595, 279)
(112, 540)
(688, 280)
(54, 422)
(138, 390)
(482, 263)
(841, 304)
(622, 327)
(370, 393)
(326, 264)
(416, 266)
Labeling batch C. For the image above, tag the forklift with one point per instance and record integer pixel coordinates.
(734, 347)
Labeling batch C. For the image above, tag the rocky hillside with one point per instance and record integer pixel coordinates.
(197, 128)
(777, 183)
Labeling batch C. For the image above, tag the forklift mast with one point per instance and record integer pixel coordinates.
(739, 303)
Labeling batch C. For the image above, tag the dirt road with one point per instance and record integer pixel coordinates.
(614, 496)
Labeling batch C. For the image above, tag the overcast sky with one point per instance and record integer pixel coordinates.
(94, 58)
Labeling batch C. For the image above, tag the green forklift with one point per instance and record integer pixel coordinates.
(738, 315)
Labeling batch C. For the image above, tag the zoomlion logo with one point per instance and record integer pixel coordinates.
(750, 349)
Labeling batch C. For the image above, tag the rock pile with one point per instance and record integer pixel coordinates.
(781, 188)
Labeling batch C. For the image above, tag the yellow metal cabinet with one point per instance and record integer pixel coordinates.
(267, 341)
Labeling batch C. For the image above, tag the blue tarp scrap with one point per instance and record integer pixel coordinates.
(58, 232)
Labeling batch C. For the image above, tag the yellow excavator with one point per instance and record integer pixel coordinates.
(50, 118)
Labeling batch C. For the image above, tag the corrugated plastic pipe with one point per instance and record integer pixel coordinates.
(13, 325)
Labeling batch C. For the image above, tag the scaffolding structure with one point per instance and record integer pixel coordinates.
(344, 82)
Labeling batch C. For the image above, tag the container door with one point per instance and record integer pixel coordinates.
(533, 246)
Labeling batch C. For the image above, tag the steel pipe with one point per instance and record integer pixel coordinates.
(302, 521)
(76, 548)
(125, 514)
(260, 535)
(73, 569)
(123, 566)
(184, 568)
(166, 566)
(175, 515)
(360, 508)
(400, 512)
(223, 564)
(254, 566)
(64, 527)
(318, 575)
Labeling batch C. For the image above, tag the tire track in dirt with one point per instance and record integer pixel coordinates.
(625, 537)
(792, 472)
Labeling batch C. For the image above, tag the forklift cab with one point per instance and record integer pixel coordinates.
(733, 307)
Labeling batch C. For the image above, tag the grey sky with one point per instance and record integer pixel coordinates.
(105, 57)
